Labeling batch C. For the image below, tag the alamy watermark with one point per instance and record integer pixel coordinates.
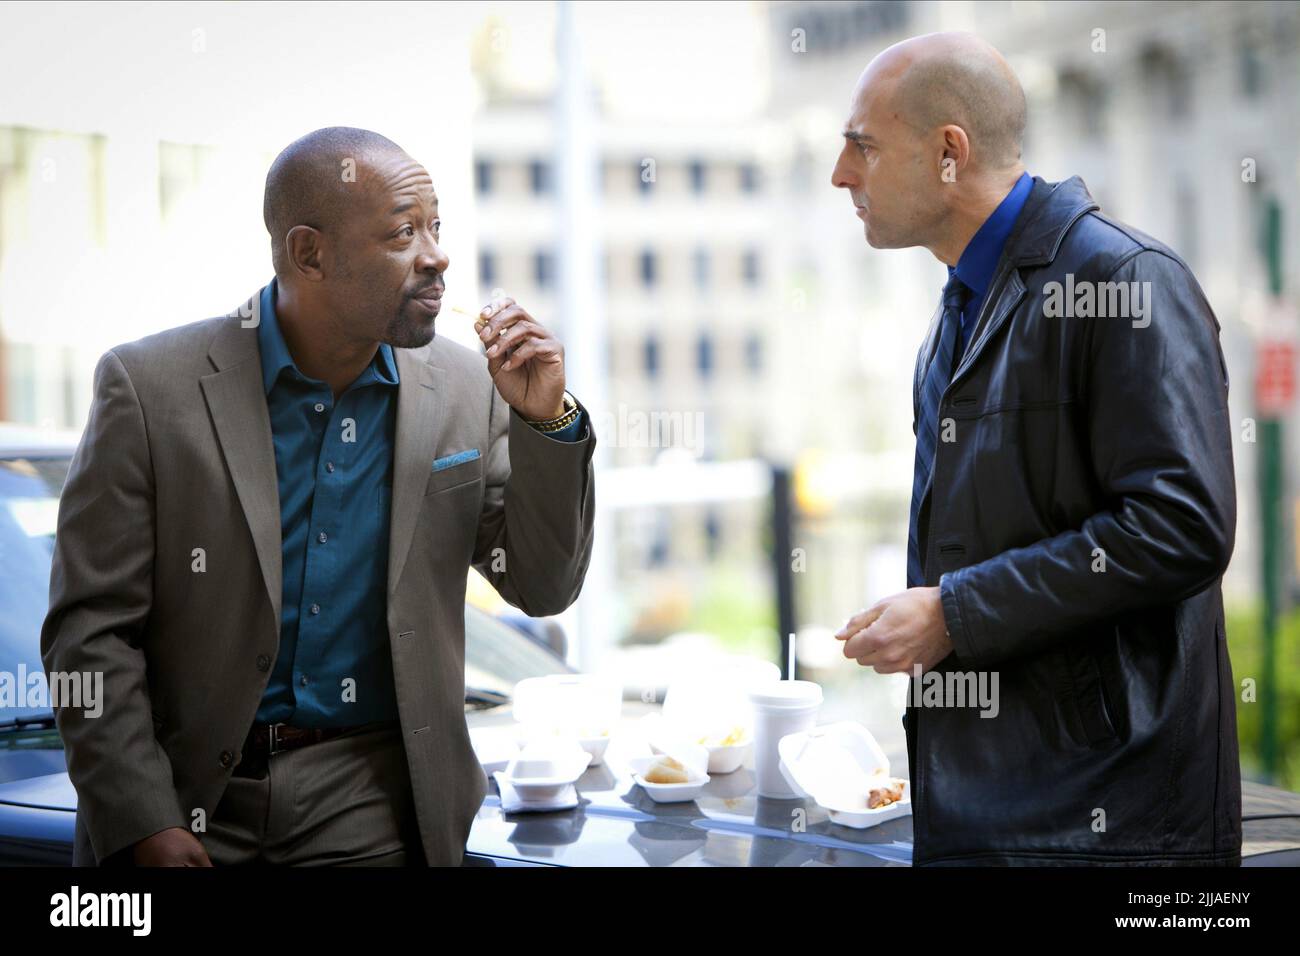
(637, 428)
(956, 689)
(1098, 300)
(77, 689)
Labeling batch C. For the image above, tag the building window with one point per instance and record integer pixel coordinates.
(660, 542)
(1250, 65)
(650, 356)
(712, 533)
(748, 178)
(539, 177)
(754, 352)
(649, 269)
(704, 355)
(543, 269)
(701, 268)
(749, 267)
(697, 174)
(482, 177)
(487, 268)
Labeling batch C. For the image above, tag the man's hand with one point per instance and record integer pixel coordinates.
(898, 632)
(525, 361)
(174, 846)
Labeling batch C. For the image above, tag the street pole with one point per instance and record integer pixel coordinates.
(1270, 490)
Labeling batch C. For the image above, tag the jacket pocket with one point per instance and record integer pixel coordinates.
(1089, 701)
(952, 555)
(462, 473)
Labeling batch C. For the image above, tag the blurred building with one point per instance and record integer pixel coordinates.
(685, 226)
(746, 318)
(1156, 106)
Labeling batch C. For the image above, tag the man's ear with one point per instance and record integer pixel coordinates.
(954, 156)
(302, 246)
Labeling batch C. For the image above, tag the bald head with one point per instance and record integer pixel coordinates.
(307, 184)
(958, 79)
(932, 142)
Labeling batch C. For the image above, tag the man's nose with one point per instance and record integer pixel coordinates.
(843, 177)
(433, 259)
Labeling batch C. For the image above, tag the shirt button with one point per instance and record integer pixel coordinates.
(329, 466)
(303, 680)
(315, 608)
(320, 407)
(322, 537)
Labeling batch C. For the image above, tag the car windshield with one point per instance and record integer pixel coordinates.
(29, 507)
(497, 655)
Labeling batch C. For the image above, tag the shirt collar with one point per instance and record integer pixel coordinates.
(980, 257)
(275, 353)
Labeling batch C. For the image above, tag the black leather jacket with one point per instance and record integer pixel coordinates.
(1078, 525)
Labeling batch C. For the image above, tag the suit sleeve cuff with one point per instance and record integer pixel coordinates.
(576, 430)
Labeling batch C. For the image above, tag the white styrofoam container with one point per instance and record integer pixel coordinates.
(583, 707)
(693, 756)
(542, 770)
(832, 766)
(662, 733)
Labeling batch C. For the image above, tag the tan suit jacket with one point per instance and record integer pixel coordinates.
(176, 456)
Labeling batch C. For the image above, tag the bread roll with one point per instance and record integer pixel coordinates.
(666, 770)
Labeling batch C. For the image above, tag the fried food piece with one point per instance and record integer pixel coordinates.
(883, 791)
(666, 770)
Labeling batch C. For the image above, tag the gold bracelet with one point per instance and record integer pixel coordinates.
(561, 424)
(547, 425)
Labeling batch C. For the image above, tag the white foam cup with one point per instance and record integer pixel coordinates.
(780, 708)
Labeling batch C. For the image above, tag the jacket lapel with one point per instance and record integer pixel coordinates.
(420, 404)
(1010, 291)
(236, 400)
(1051, 209)
(1049, 212)
(237, 403)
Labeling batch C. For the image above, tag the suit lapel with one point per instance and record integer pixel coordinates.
(236, 399)
(237, 403)
(420, 404)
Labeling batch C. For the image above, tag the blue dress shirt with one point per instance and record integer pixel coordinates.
(334, 469)
(980, 258)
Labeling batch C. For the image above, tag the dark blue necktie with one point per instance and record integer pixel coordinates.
(937, 377)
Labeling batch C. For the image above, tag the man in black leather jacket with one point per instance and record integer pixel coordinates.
(1076, 510)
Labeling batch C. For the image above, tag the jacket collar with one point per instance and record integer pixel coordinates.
(1049, 212)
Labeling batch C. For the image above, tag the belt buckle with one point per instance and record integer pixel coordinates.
(272, 738)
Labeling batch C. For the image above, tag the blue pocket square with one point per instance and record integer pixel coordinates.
(449, 460)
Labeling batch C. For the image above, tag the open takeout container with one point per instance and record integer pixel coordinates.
(833, 765)
(728, 745)
(580, 707)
